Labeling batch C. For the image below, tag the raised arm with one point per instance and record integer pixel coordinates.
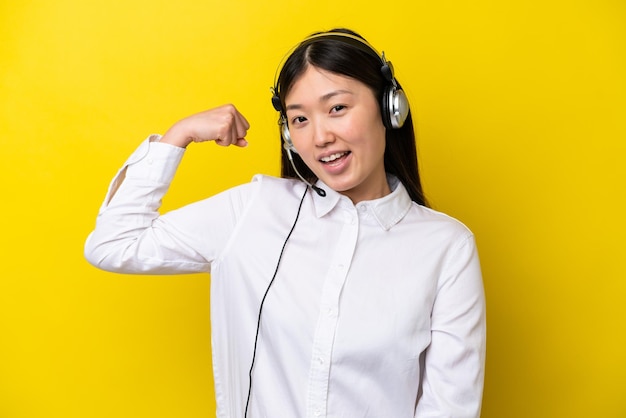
(131, 236)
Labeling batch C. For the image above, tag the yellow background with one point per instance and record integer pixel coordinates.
(520, 109)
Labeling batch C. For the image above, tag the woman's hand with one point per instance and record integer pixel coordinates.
(224, 125)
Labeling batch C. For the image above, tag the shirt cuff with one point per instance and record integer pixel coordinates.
(154, 161)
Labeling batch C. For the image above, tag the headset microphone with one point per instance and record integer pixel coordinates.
(321, 192)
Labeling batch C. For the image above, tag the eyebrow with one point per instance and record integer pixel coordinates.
(322, 99)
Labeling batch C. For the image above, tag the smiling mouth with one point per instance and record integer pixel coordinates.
(334, 157)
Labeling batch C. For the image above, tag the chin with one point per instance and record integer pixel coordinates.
(340, 187)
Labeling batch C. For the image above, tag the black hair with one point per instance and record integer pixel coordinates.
(334, 54)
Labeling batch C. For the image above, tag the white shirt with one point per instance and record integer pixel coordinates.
(377, 309)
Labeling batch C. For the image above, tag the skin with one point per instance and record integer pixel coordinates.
(225, 125)
(331, 115)
(335, 125)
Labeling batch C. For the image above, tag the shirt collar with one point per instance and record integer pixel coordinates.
(387, 210)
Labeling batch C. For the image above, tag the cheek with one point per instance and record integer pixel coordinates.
(303, 147)
(379, 136)
(369, 137)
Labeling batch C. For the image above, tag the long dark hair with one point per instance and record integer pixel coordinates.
(338, 54)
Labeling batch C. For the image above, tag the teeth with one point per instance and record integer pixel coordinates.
(333, 157)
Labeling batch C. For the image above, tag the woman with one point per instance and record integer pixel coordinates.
(335, 291)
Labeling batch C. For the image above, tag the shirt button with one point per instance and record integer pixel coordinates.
(362, 209)
(320, 360)
(318, 412)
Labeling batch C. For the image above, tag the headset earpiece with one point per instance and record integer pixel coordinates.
(284, 130)
(395, 108)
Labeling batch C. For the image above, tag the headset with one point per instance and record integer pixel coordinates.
(394, 104)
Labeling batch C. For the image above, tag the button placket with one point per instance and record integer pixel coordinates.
(319, 373)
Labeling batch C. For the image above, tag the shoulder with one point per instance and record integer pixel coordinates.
(277, 187)
(269, 190)
(438, 224)
(277, 184)
(261, 197)
(268, 184)
(433, 215)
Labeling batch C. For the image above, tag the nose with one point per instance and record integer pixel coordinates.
(323, 134)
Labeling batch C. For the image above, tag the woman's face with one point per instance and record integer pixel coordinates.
(336, 127)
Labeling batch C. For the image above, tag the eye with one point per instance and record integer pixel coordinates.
(297, 120)
(337, 108)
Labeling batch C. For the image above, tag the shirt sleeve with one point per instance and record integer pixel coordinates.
(454, 362)
(131, 236)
